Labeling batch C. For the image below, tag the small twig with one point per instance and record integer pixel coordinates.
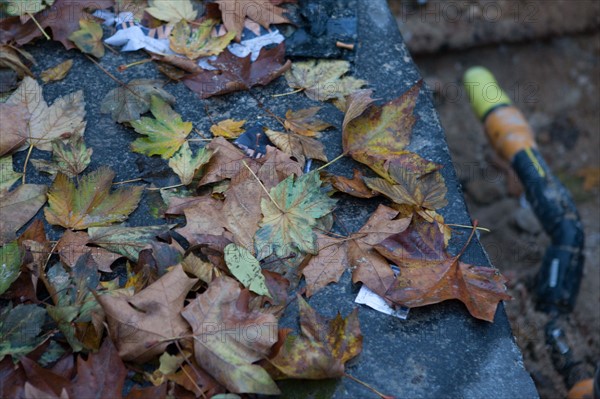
(199, 133)
(113, 77)
(185, 359)
(370, 388)
(110, 48)
(49, 287)
(165, 188)
(193, 140)
(347, 46)
(127, 181)
(122, 68)
(468, 227)
(288, 93)
(263, 187)
(26, 162)
(332, 161)
(35, 21)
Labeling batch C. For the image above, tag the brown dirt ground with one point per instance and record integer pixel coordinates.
(555, 82)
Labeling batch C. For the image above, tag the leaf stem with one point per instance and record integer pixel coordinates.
(342, 155)
(117, 183)
(35, 21)
(370, 388)
(44, 278)
(122, 68)
(263, 186)
(165, 188)
(26, 162)
(468, 227)
(288, 93)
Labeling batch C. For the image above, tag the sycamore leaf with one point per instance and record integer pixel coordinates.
(24, 7)
(7, 175)
(15, 120)
(172, 11)
(165, 134)
(231, 361)
(186, 165)
(229, 128)
(57, 72)
(300, 147)
(322, 349)
(355, 187)
(127, 103)
(322, 80)
(429, 275)
(88, 38)
(327, 266)
(382, 132)
(234, 13)
(91, 204)
(422, 192)
(246, 269)
(46, 123)
(20, 328)
(304, 122)
(199, 42)
(10, 265)
(73, 245)
(143, 326)
(126, 241)
(11, 58)
(21, 204)
(235, 74)
(70, 159)
(355, 104)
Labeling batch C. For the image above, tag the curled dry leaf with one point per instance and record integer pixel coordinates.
(57, 72)
(234, 13)
(305, 122)
(229, 128)
(355, 104)
(300, 147)
(355, 187)
(21, 204)
(9, 58)
(88, 38)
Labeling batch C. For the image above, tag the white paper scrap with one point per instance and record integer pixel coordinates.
(367, 297)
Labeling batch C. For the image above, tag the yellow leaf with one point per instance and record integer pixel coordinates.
(300, 147)
(88, 38)
(199, 42)
(57, 72)
(304, 122)
(172, 11)
(229, 128)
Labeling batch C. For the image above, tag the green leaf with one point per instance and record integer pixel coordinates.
(91, 204)
(165, 134)
(54, 352)
(200, 42)
(126, 241)
(246, 269)
(70, 159)
(88, 38)
(7, 175)
(10, 265)
(19, 329)
(22, 7)
(186, 165)
(288, 219)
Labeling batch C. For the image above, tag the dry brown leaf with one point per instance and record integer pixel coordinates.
(14, 122)
(21, 204)
(57, 72)
(9, 58)
(229, 128)
(355, 104)
(73, 245)
(355, 187)
(327, 266)
(234, 13)
(298, 146)
(304, 122)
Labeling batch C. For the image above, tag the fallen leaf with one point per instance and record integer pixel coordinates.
(234, 13)
(21, 204)
(304, 122)
(70, 159)
(229, 128)
(226, 162)
(382, 131)
(429, 275)
(24, 7)
(323, 348)
(290, 215)
(172, 11)
(7, 175)
(102, 375)
(143, 326)
(221, 309)
(298, 146)
(322, 80)
(327, 266)
(127, 103)
(164, 135)
(20, 328)
(9, 58)
(65, 117)
(73, 245)
(13, 379)
(15, 120)
(246, 269)
(235, 74)
(10, 265)
(186, 165)
(91, 204)
(198, 42)
(355, 104)
(355, 187)
(50, 384)
(57, 72)
(126, 241)
(591, 177)
(88, 38)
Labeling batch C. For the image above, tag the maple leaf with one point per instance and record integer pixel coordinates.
(126, 241)
(304, 122)
(20, 328)
(322, 349)
(199, 42)
(246, 269)
(234, 13)
(229, 128)
(355, 187)
(88, 38)
(46, 383)
(172, 11)
(142, 326)
(322, 80)
(7, 175)
(235, 74)
(327, 266)
(21, 204)
(73, 245)
(91, 204)
(186, 165)
(289, 216)
(165, 134)
(355, 104)
(62, 18)
(46, 123)
(15, 119)
(57, 72)
(429, 275)
(298, 146)
(231, 361)
(127, 103)
(70, 159)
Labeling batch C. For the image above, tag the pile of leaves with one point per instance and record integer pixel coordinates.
(197, 311)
